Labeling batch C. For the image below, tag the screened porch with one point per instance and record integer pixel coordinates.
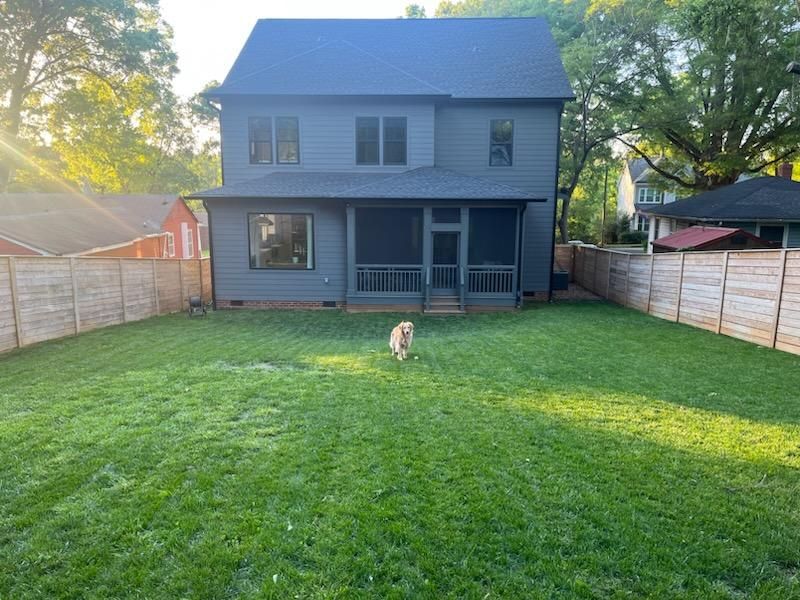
(416, 254)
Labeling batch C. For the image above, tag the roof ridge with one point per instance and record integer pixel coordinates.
(384, 180)
(277, 64)
(398, 69)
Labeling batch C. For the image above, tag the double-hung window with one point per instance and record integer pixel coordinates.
(281, 140)
(395, 130)
(368, 141)
(260, 140)
(281, 241)
(501, 142)
(381, 141)
(288, 140)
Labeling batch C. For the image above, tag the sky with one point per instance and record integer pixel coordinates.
(210, 33)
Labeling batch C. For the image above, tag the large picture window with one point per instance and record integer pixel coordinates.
(492, 236)
(394, 140)
(389, 236)
(260, 140)
(367, 140)
(281, 241)
(287, 140)
(501, 143)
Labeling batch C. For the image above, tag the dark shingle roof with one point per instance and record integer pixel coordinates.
(463, 58)
(73, 223)
(423, 183)
(762, 198)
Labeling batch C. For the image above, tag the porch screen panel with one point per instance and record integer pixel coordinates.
(389, 236)
(492, 236)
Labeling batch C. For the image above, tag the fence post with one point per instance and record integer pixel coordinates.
(778, 298)
(680, 289)
(122, 292)
(180, 279)
(608, 275)
(722, 290)
(155, 287)
(76, 308)
(12, 277)
(627, 280)
(650, 284)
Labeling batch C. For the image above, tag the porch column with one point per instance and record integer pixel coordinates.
(427, 248)
(463, 252)
(351, 249)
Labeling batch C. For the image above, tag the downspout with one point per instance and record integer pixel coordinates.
(555, 206)
(520, 253)
(211, 257)
(208, 212)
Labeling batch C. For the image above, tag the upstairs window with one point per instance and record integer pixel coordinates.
(260, 140)
(394, 140)
(649, 196)
(288, 140)
(367, 141)
(501, 142)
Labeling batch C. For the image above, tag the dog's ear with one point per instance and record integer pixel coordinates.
(410, 324)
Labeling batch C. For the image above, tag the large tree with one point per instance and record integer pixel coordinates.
(51, 45)
(713, 92)
(598, 46)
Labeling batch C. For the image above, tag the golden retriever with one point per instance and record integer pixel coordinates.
(401, 339)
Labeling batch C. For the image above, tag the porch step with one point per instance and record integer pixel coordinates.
(441, 310)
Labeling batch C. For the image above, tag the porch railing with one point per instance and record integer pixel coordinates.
(444, 277)
(491, 279)
(389, 279)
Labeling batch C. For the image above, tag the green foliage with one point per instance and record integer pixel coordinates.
(548, 453)
(85, 98)
(715, 93)
(415, 11)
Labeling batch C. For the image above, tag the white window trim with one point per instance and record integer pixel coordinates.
(170, 244)
(641, 194)
(189, 242)
(784, 241)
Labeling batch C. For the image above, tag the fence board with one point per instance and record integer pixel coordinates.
(43, 298)
(753, 295)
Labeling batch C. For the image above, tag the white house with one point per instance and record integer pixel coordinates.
(637, 192)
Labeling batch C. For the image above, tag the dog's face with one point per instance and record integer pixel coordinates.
(407, 327)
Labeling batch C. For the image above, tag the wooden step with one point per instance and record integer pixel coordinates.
(443, 311)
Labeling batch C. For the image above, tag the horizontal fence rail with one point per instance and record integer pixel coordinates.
(44, 298)
(753, 295)
(490, 280)
(390, 279)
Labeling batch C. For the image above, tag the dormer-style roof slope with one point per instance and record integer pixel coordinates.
(459, 58)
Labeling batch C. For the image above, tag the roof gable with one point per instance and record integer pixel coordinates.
(462, 58)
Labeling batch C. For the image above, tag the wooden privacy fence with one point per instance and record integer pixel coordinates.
(753, 295)
(43, 297)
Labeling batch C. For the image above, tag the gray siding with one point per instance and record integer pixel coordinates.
(327, 133)
(235, 280)
(462, 144)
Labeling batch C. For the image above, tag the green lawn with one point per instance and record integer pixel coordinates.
(572, 450)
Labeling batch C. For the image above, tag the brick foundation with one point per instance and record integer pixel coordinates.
(277, 304)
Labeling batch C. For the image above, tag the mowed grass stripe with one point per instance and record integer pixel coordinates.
(564, 451)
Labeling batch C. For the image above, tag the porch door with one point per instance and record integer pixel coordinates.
(444, 272)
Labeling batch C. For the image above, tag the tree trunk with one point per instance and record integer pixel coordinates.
(8, 137)
(563, 220)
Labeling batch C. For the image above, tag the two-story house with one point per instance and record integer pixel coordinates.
(378, 164)
(637, 193)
